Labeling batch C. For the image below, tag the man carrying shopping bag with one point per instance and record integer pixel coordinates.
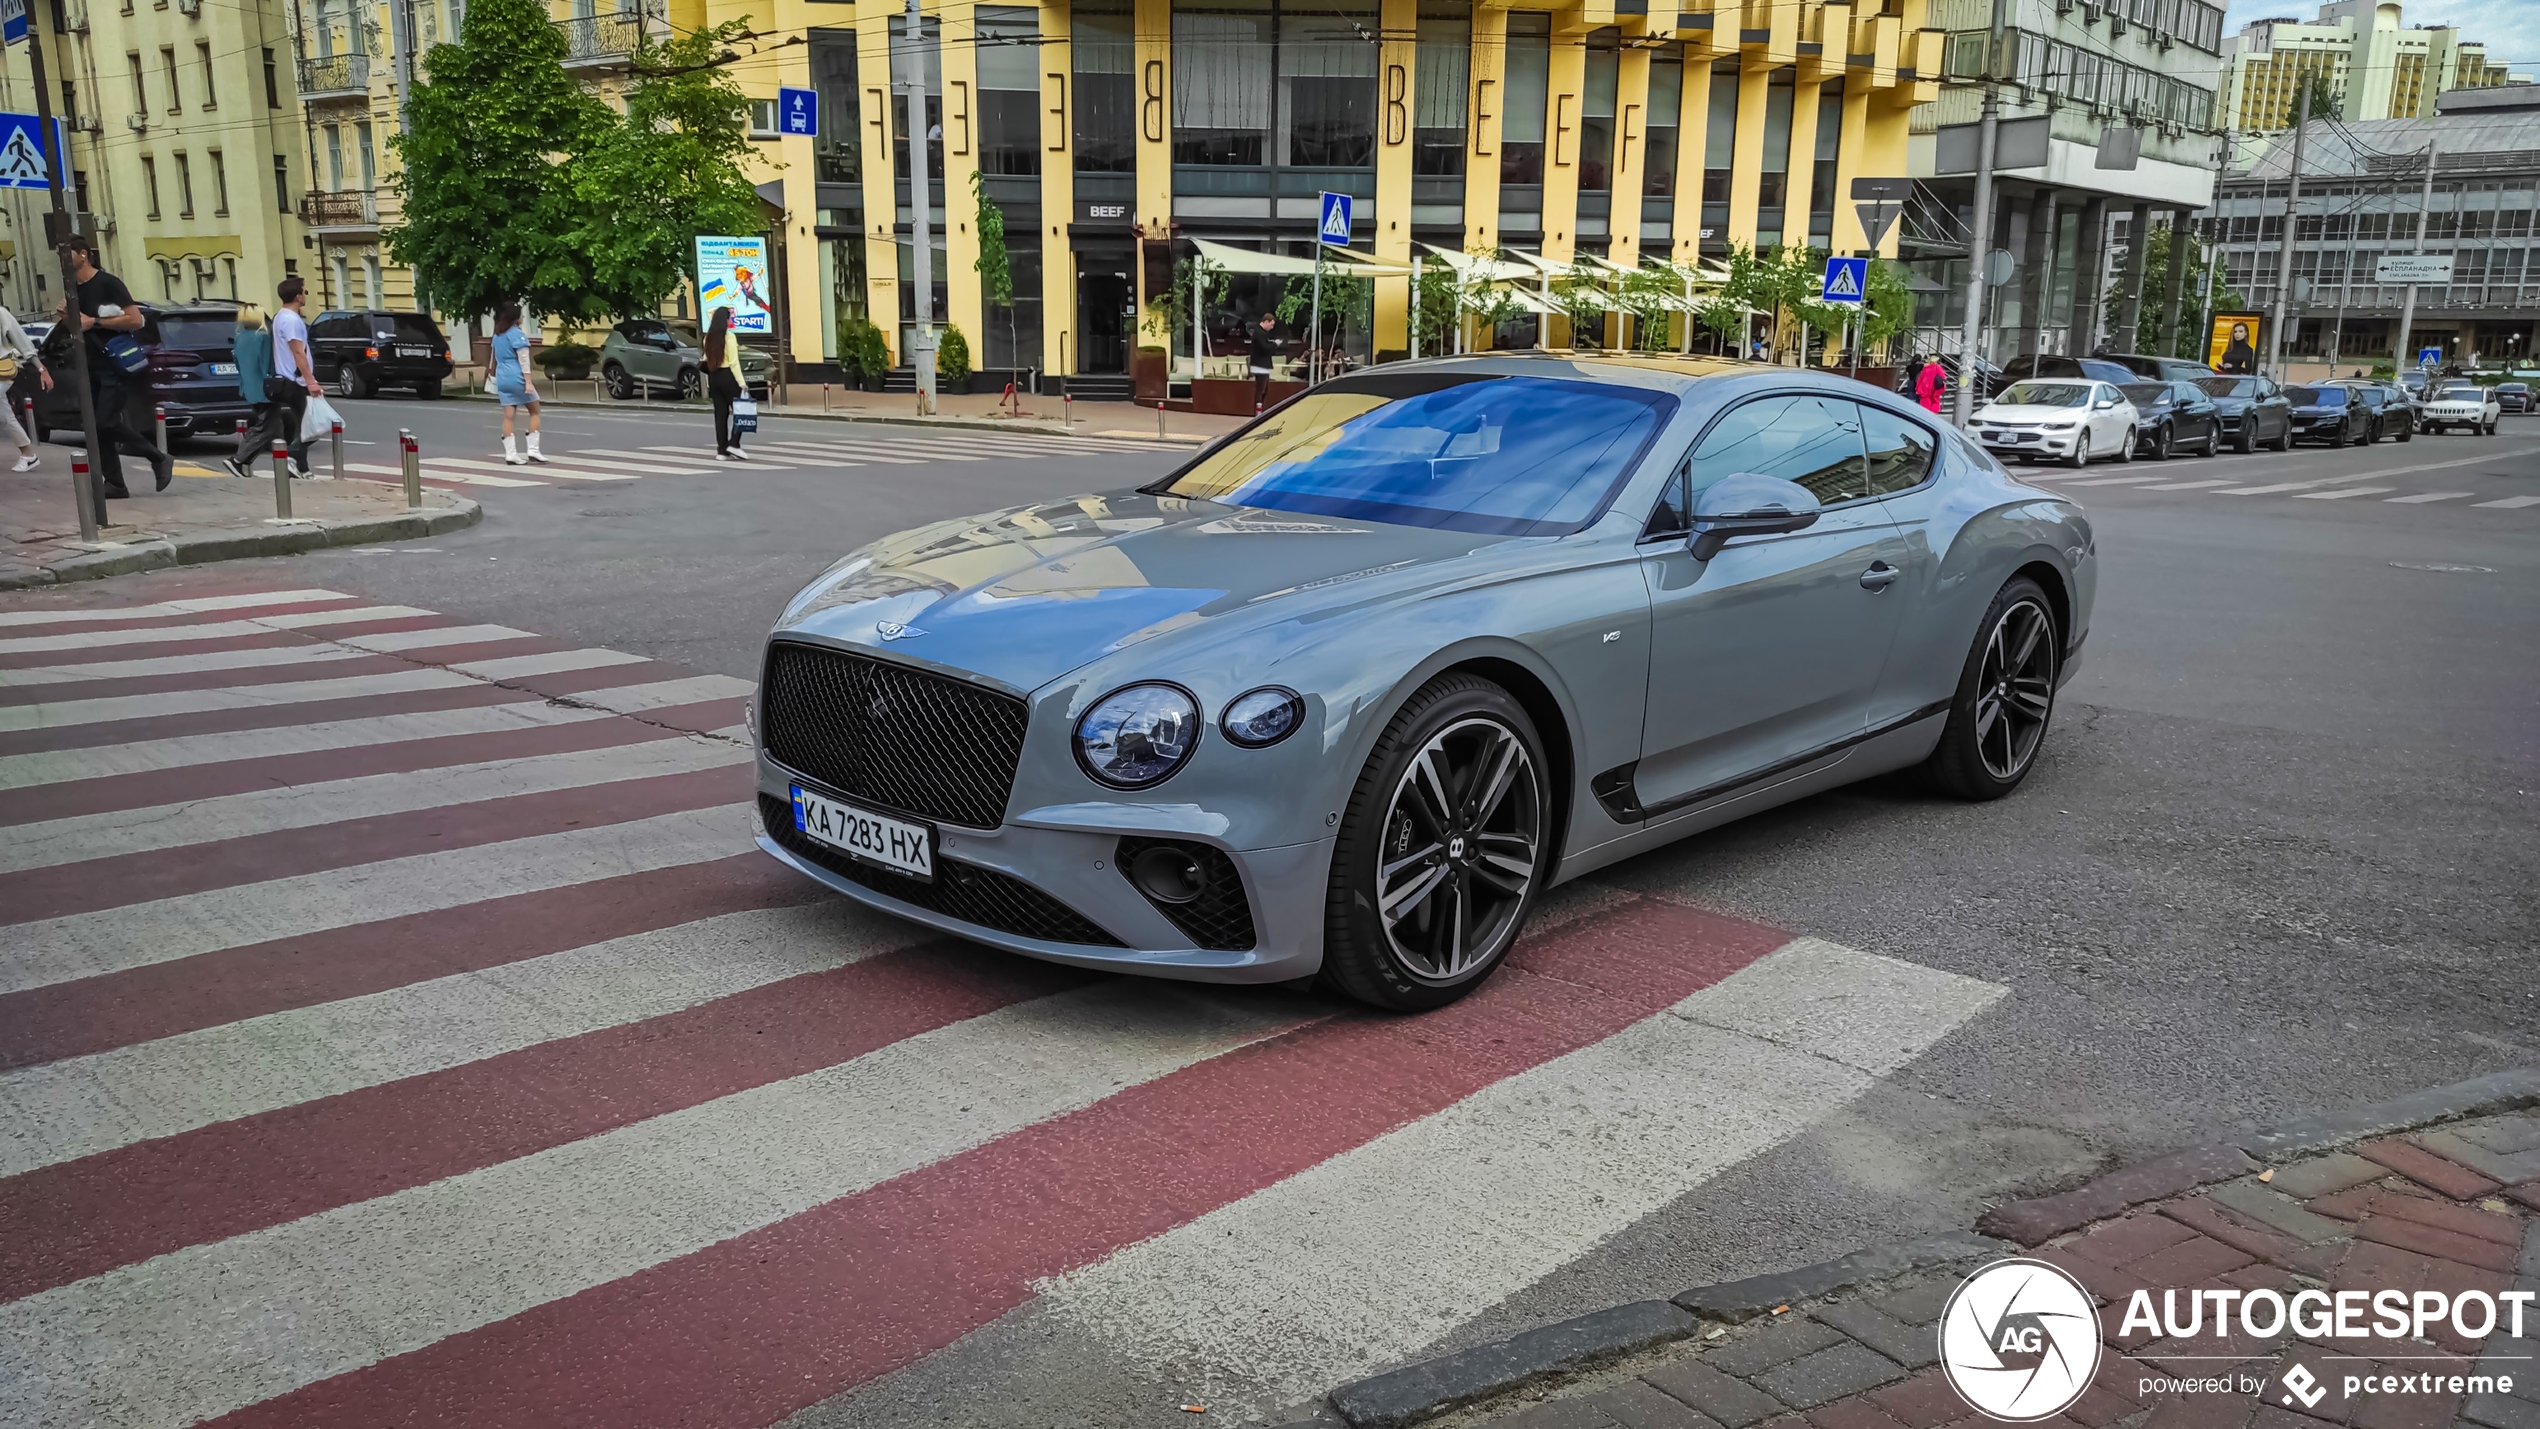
(291, 387)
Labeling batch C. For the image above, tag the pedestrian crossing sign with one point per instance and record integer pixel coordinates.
(1846, 280)
(22, 163)
(1334, 228)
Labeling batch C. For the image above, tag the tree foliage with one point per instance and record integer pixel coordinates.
(2158, 250)
(648, 182)
(1435, 302)
(1580, 296)
(1650, 295)
(486, 180)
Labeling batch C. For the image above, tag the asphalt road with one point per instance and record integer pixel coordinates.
(2277, 858)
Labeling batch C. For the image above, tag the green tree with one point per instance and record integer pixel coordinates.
(996, 267)
(2325, 98)
(485, 178)
(1482, 298)
(1888, 308)
(2164, 243)
(1649, 295)
(1580, 295)
(1437, 303)
(648, 182)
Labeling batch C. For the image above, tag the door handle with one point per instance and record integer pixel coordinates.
(1879, 576)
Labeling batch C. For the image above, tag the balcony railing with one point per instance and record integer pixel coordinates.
(349, 208)
(603, 39)
(335, 77)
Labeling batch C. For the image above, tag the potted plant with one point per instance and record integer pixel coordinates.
(567, 360)
(862, 351)
(952, 360)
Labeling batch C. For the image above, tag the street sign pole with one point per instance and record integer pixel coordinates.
(88, 491)
(1331, 230)
(1314, 326)
(921, 182)
(2407, 310)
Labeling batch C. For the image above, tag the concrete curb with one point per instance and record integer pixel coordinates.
(205, 547)
(1742, 1300)
(974, 424)
(1428, 1389)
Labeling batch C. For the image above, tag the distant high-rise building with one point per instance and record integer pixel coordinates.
(2373, 63)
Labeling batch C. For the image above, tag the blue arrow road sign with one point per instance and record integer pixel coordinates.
(1846, 280)
(22, 152)
(1334, 228)
(798, 112)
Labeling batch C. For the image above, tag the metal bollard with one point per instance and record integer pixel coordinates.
(336, 430)
(281, 481)
(1069, 398)
(410, 462)
(162, 414)
(1159, 421)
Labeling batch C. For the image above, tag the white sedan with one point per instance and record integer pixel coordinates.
(2066, 419)
(2462, 404)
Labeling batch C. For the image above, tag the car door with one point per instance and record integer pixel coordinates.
(647, 342)
(1765, 655)
(2199, 425)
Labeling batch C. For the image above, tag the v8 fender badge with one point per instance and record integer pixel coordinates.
(893, 630)
(2020, 1341)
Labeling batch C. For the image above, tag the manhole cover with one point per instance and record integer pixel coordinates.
(2443, 566)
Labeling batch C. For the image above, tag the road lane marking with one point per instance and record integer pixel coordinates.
(2112, 481)
(2271, 490)
(116, 708)
(223, 630)
(162, 610)
(2423, 497)
(2342, 495)
(253, 659)
(2512, 503)
(2190, 485)
(464, 478)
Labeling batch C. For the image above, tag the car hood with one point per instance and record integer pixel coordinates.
(1024, 595)
(2010, 412)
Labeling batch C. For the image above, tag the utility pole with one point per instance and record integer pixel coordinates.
(921, 186)
(59, 225)
(2292, 201)
(1980, 246)
(2407, 310)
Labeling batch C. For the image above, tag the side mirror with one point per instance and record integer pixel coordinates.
(1748, 505)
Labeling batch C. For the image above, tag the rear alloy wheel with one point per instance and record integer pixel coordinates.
(348, 383)
(2213, 440)
(2125, 449)
(2247, 441)
(2005, 699)
(2161, 443)
(1442, 851)
(2283, 443)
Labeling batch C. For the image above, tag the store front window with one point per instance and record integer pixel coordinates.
(1009, 90)
(1443, 77)
(1528, 78)
(1106, 106)
(838, 152)
(1596, 111)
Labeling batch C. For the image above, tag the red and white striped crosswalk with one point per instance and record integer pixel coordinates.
(397, 1026)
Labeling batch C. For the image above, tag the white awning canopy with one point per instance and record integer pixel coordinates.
(1243, 260)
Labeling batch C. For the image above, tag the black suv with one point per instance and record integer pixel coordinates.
(191, 375)
(359, 351)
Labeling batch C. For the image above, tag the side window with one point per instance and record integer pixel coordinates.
(1901, 451)
(1814, 441)
(1673, 515)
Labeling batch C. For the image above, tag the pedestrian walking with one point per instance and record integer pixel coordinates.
(512, 386)
(251, 352)
(109, 317)
(1931, 384)
(289, 386)
(1265, 352)
(18, 350)
(723, 386)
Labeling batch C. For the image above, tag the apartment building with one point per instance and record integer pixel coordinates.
(2377, 65)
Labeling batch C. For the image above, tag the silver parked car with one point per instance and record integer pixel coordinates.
(1349, 690)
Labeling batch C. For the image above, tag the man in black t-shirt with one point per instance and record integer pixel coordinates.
(106, 310)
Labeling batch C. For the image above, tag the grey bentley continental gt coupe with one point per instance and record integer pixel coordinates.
(1348, 690)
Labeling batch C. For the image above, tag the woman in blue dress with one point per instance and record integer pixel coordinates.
(512, 386)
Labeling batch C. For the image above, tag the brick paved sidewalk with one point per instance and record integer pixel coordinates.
(2452, 1209)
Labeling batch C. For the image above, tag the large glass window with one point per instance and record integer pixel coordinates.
(1719, 150)
(1773, 190)
(1526, 81)
(1666, 109)
(929, 38)
(1444, 77)
(1009, 90)
(838, 152)
(1596, 111)
(1829, 153)
(1327, 87)
(1106, 104)
(1514, 456)
(1222, 67)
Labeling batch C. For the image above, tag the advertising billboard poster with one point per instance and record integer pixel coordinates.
(2233, 345)
(732, 273)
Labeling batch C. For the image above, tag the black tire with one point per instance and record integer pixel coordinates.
(2283, 443)
(2213, 440)
(2161, 442)
(1417, 961)
(692, 384)
(621, 384)
(349, 383)
(2248, 439)
(2407, 431)
(1963, 765)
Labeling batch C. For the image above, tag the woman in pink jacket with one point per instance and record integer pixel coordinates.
(1930, 384)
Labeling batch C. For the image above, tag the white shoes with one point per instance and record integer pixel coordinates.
(740, 455)
(511, 453)
(535, 454)
(28, 463)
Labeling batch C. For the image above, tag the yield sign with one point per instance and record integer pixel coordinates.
(1875, 217)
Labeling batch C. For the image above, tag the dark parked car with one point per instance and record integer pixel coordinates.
(190, 376)
(2171, 416)
(360, 351)
(2329, 413)
(2394, 406)
(2161, 369)
(2513, 396)
(2095, 369)
(2252, 410)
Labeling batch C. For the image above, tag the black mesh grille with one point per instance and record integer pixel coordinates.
(893, 736)
(960, 890)
(1220, 918)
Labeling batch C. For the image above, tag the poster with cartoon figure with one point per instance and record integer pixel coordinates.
(732, 273)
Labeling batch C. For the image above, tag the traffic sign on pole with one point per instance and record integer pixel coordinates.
(1846, 281)
(22, 150)
(12, 21)
(1875, 217)
(797, 110)
(1334, 226)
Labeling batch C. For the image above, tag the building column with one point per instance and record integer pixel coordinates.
(2180, 226)
(1631, 157)
(1799, 181)
(2125, 337)
(1398, 79)
(1746, 165)
(881, 178)
(965, 309)
(1489, 100)
(1886, 120)
(1058, 189)
(2090, 261)
(2038, 287)
(1693, 123)
(1565, 93)
(1847, 236)
(1154, 94)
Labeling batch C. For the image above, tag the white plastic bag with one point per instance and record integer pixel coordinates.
(321, 419)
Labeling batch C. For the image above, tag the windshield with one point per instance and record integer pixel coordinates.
(2145, 394)
(1510, 456)
(198, 334)
(2458, 394)
(2229, 386)
(2045, 394)
(2317, 396)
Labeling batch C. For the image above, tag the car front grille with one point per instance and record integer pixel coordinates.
(893, 736)
(1220, 918)
(980, 896)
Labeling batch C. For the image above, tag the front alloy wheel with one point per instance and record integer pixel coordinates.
(1442, 850)
(2006, 696)
(2248, 440)
(2161, 441)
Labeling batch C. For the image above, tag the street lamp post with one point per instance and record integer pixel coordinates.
(1988, 126)
(911, 81)
(2292, 201)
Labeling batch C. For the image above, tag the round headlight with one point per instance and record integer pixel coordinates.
(1262, 717)
(1137, 736)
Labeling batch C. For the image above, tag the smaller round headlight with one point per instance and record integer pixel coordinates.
(1137, 736)
(1259, 718)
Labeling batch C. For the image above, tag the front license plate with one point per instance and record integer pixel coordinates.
(224, 369)
(893, 843)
